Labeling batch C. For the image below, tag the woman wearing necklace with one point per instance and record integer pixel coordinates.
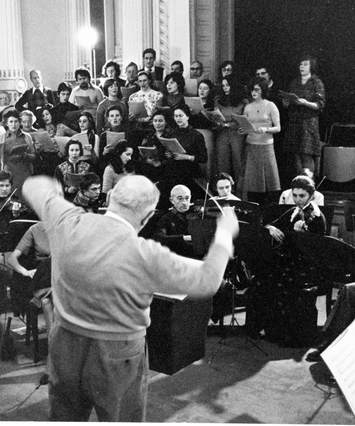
(261, 172)
(302, 138)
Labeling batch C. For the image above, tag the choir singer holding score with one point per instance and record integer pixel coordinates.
(103, 280)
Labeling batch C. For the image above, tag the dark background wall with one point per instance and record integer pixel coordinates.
(275, 32)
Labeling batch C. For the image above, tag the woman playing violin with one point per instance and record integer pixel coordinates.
(282, 299)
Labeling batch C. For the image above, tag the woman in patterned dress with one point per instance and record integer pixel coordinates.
(73, 165)
(302, 135)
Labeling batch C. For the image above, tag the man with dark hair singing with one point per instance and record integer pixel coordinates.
(103, 280)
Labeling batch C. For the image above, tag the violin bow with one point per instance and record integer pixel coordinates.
(205, 200)
(210, 195)
(8, 200)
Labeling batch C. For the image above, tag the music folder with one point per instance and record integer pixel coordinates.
(289, 96)
(128, 91)
(215, 116)
(244, 122)
(148, 152)
(114, 138)
(61, 142)
(74, 179)
(340, 359)
(194, 103)
(172, 145)
(44, 142)
(137, 109)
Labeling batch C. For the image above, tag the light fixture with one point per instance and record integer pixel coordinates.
(88, 37)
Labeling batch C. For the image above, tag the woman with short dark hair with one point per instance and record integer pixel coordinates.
(302, 138)
(72, 165)
(261, 179)
(64, 112)
(184, 168)
(112, 92)
(152, 166)
(17, 152)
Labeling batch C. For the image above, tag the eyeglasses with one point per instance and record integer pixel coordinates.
(261, 73)
(227, 69)
(195, 68)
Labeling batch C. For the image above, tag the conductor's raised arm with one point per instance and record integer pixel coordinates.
(103, 280)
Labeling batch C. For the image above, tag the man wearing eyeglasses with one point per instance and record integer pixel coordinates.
(196, 69)
(196, 75)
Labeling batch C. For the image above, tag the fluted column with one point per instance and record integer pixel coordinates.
(11, 56)
(164, 33)
(77, 15)
(147, 23)
(212, 32)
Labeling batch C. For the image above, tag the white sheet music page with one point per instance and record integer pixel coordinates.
(340, 359)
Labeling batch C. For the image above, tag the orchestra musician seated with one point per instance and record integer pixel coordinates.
(286, 196)
(305, 216)
(224, 183)
(34, 270)
(10, 207)
(172, 228)
(282, 299)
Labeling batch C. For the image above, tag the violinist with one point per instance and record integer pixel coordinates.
(10, 208)
(172, 228)
(287, 198)
(305, 216)
(282, 301)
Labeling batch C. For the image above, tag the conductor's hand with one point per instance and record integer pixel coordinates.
(228, 222)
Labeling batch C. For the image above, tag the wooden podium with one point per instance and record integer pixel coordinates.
(177, 334)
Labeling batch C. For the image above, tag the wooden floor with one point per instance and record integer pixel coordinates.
(238, 381)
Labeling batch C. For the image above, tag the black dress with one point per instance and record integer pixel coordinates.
(183, 171)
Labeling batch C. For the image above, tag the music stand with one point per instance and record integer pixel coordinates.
(202, 232)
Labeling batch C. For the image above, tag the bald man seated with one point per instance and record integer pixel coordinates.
(172, 228)
(103, 280)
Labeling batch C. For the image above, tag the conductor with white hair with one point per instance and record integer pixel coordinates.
(103, 280)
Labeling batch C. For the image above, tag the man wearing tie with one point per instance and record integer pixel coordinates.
(149, 57)
(36, 97)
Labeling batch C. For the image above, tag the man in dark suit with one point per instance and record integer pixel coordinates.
(149, 57)
(36, 97)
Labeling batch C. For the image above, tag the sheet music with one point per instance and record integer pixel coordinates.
(340, 359)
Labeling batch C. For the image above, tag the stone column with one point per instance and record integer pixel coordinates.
(164, 33)
(147, 23)
(11, 57)
(77, 15)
